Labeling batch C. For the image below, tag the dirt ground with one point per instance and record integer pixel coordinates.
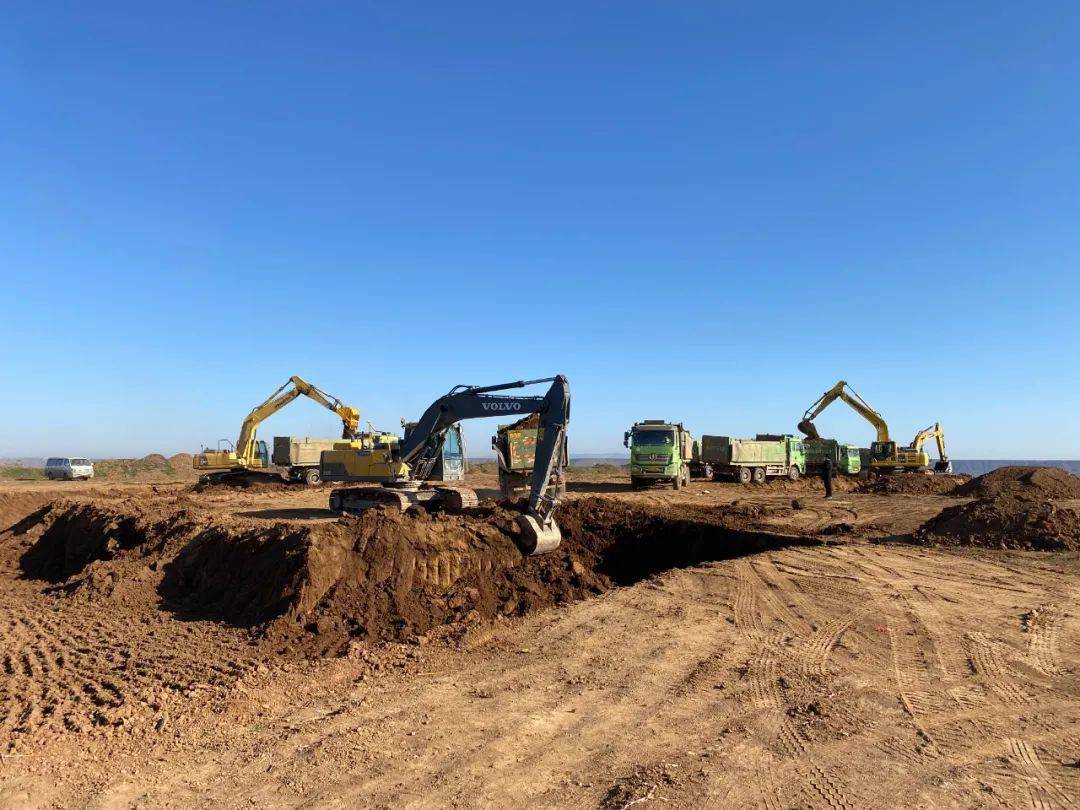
(717, 646)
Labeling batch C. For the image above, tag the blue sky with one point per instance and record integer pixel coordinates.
(697, 211)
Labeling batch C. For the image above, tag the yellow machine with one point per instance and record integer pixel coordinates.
(885, 455)
(249, 453)
(942, 465)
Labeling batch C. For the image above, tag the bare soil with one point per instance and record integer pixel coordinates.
(715, 646)
(1043, 482)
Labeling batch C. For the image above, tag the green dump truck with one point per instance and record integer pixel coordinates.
(660, 452)
(515, 451)
(745, 460)
(846, 458)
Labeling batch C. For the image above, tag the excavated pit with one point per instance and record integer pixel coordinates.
(314, 589)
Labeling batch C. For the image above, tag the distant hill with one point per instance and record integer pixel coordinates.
(22, 462)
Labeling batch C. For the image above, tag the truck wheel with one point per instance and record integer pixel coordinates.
(677, 483)
(759, 475)
(793, 473)
(635, 483)
(312, 477)
(743, 475)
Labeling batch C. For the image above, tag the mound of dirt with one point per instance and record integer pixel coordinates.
(1042, 482)
(908, 484)
(1007, 520)
(154, 467)
(312, 589)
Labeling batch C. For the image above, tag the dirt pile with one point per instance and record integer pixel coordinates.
(912, 484)
(388, 576)
(1043, 482)
(312, 589)
(1008, 520)
(154, 467)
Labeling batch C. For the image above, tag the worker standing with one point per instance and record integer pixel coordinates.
(826, 477)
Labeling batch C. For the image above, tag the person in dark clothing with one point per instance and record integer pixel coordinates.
(826, 477)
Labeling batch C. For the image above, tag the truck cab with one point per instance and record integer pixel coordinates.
(846, 458)
(660, 452)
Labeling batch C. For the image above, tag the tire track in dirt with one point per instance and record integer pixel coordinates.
(1042, 790)
(824, 631)
(975, 731)
(989, 658)
(764, 671)
(64, 670)
(1043, 625)
(914, 678)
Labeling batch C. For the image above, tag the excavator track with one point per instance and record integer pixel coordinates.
(354, 500)
(457, 500)
(240, 478)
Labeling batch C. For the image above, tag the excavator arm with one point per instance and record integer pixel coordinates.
(844, 392)
(421, 449)
(350, 416)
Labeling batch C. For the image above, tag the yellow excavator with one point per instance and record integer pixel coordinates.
(244, 460)
(885, 455)
(942, 465)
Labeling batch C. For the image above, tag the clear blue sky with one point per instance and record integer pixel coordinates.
(707, 211)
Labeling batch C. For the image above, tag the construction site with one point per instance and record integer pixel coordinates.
(539, 405)
(369, 621)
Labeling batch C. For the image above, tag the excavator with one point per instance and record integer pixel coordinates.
(885, 455)
(401, 469)
(249, 455)
(942, 465)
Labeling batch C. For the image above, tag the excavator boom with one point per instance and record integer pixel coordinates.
(844, 392)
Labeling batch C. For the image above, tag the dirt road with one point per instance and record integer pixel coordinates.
(823, 664)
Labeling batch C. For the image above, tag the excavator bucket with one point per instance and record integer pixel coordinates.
(537, 537)
(807, 428)
(943, 467)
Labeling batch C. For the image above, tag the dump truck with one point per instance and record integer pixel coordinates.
(515, 450)
(745, 460)
(299, 456)
(660, 452)
(846, 458)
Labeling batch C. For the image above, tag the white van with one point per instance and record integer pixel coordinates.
(68, 469)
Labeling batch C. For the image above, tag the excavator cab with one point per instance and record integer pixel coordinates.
(882, 451)
(450, 465)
